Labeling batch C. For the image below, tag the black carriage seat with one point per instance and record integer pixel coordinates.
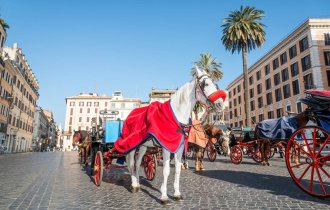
(318, 101)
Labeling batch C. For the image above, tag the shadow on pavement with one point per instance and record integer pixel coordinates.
(277, 185)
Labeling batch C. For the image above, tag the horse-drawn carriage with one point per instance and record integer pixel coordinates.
(104, 159)
(307, 139)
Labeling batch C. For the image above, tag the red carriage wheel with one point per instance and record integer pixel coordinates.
(307, 158)
(98, 168)
(150, 165)
(236, 154)
(256, 155)
(211, 151)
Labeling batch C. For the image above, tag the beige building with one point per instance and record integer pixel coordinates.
(301, 61)
(160, 95)
(23, 100)
(81, 109)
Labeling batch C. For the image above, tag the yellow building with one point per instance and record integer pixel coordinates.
(24, 96)
(300, 61)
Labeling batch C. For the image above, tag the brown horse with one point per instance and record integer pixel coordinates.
(201, 135)
(82, 139)
(265, 143)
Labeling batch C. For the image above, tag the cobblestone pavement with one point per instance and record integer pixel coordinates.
(55, 180)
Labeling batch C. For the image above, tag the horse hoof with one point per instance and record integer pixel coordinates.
(164, 201)
(135, 189)
(178, 198)
(263, 163)
(268, 164)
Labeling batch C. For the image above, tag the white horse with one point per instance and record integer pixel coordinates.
(201, 89)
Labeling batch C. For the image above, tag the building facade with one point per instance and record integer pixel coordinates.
(22, 100)
(40, 130)
(5, 90)
(160, 95)
(81, 109)
(277, 81)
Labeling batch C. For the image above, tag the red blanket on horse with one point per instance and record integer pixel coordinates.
(157, 120)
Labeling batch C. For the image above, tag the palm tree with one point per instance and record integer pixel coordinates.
(3, 24)
(210, 65)
(242, 32)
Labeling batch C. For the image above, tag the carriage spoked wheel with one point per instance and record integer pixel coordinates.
(150, 165)
(256, 154)
(211, 152)
(236, 154)
(307, 158)
(98, 168)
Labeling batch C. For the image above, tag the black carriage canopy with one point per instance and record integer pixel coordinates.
(318, 101)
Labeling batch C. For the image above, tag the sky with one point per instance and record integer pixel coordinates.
(84, 46)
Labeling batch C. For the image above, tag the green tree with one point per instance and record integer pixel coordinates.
(4, 24)
(210, 65)
(242, 32)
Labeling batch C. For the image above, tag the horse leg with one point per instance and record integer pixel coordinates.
(267, 152)
(261, 146)
(138, 160)
(177, 158)
(202, 151)
(130, 158)
(197, 158)
(87, 154)
(166, 172)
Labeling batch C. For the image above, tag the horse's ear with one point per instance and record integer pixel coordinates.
(199, 73)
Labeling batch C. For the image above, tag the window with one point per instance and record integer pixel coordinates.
(258, 75)
(113, 105)
(327, 39)
(327, 58)
(87, 120)
(270, 115)
(80, 119)
(89, 103)
(88, 110)
(306, 63)
(96, 110)
(235, 113)
(122, 105)
(235, 102)
(106, 104)
(286, 91)
(267, 69)
(279, 113)
(71, 111)
(278, 94)
(259, 88)
(230, 105)
(299, 107)
(303, 44)
(283, 58)
(277, 79)
(294, 69)
(260, 102)
(238, 88)
(251, 93)
(252, 105)
(70, 129)
(328, 77)
(295, 87)
(239, 99)
(80, 110)
(275, 63)
(71, 103)
(234, 91)
(251, 80)
(96, 104)
(269, 98)
(288, 108)
(81, 103)
(293, 51)
(261, 117)
(268, 84)
(70, 121)
(308, 81)
(253, 119)
(285, 75)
